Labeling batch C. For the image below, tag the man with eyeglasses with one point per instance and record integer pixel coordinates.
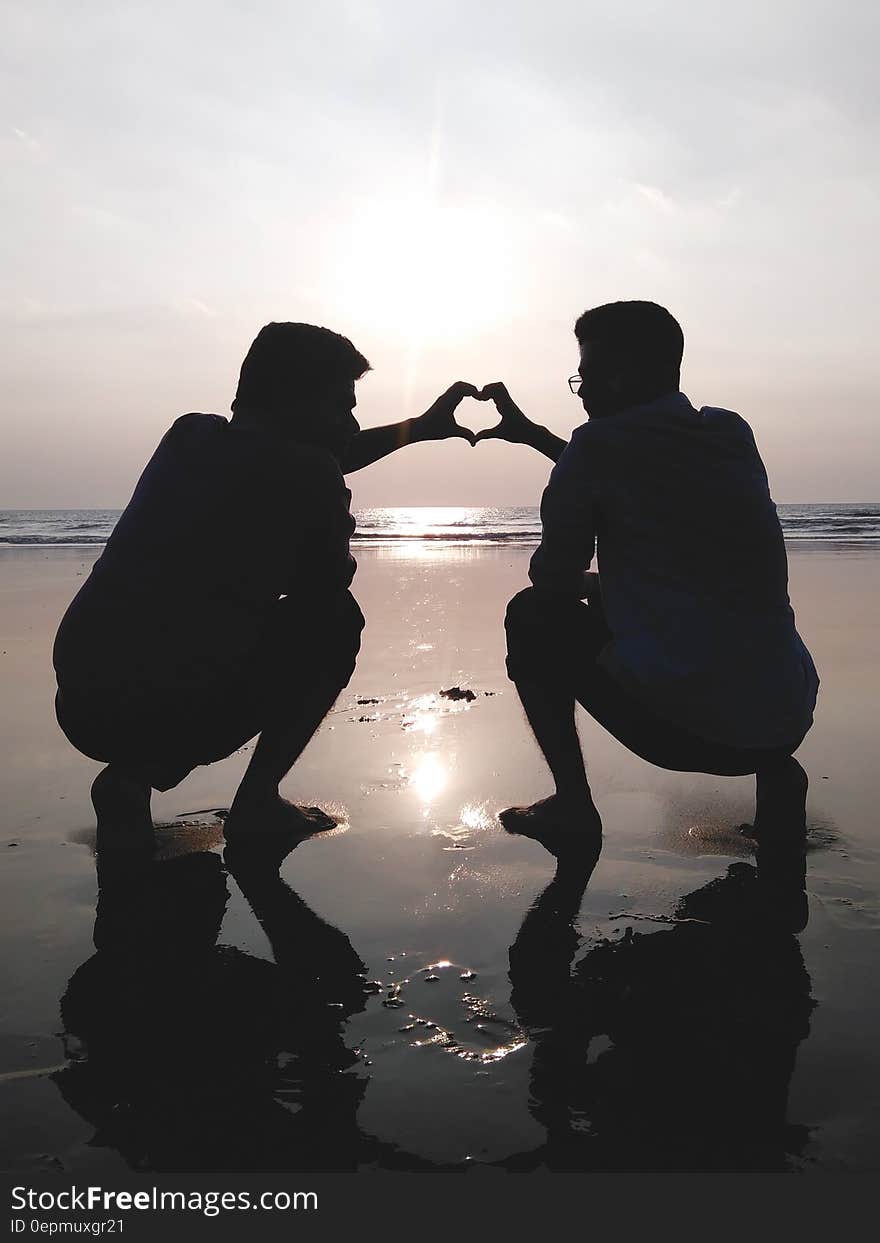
(686, 648)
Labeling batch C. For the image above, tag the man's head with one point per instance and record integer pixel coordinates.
(630, 354)
(299, 379)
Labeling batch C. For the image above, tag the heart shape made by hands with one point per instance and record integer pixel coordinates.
(480, 419)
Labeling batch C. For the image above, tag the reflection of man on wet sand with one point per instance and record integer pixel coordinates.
(694, 1032)
(193, 1055)
(686, 649)
(220, 607)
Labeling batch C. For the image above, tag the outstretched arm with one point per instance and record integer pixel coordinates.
(437, 423)
(515, 427)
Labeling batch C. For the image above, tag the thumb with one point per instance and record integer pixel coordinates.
(491, 433)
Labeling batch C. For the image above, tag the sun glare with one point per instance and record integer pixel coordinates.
(428, 778)
(419, 271)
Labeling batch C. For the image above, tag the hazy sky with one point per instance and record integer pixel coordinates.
(449, 184)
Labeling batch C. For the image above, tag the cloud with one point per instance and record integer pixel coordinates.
(27, 140)
(468, 176)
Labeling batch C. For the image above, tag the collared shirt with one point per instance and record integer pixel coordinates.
(692, 567)
(225, 519)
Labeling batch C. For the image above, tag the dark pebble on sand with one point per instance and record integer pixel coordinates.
(429, 979)
(468, 975)
(456, 692)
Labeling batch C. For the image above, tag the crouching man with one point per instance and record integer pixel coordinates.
(220, 608)
(685, 648)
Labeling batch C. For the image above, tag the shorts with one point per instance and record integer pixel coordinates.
(556, 641)
(166, 730)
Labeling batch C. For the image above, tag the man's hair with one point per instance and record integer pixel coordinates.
(643, 334)
(287, 362)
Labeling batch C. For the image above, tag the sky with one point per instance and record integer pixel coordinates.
(449, 184)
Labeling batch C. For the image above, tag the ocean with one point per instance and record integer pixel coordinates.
(839, 524)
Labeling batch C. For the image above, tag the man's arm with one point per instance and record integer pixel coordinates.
(322, 566)
(437, 423)
(568, 537)
(515, 427)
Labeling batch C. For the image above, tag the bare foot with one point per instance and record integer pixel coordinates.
(122, 808)
(563, 828)
(256, 818)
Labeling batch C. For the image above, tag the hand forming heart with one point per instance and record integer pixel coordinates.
(439, 422)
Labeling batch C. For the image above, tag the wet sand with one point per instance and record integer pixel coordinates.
(417, 992)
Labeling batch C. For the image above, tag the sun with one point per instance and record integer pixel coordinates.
(419, 271)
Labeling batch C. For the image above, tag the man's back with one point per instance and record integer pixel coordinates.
(224, 520)
(692, 566)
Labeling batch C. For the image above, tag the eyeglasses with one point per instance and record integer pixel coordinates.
(574, 383)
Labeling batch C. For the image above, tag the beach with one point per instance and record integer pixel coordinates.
(614, 1029)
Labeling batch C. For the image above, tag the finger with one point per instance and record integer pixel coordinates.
(490, 391)
(464, 432)
(461, 389)
(491, 433)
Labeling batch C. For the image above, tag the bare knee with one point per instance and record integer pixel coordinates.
(525, 610)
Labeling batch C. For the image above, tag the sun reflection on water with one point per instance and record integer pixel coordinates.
(429, 777)
(475, 816)
(421, 714)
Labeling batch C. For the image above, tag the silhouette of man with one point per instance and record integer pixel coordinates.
(220, 608)
(686, 648)
(258, 1075)
(701, 1022)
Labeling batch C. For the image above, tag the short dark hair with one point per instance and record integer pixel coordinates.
(646, 334)
(289, 361)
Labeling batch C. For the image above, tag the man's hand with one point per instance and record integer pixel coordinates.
(438, 422)
(514, 425)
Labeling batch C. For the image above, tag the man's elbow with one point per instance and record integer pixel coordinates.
(571, 585)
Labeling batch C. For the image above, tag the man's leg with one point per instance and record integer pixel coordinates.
(258, 805)
(121, 791)
(569, 816)
(121, 799)
(550, 713)
(780, 834)
(323, 640)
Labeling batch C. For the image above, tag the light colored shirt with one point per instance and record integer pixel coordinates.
(692, 566)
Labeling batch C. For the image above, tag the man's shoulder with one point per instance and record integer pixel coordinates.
(248, 453)
(587, 444)
(195, 422)
(587, 437)
(724, 420)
